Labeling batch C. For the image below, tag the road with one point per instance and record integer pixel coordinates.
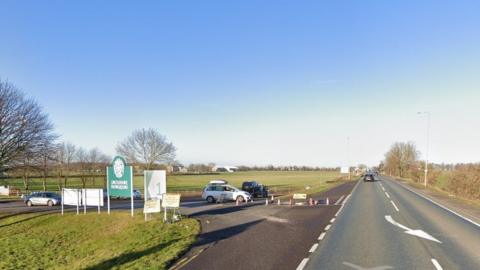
(385, 226)
(257, 236)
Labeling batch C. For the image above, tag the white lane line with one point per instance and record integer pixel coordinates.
(313, 248)
(322, 235)
(327, 227)
(388, 195)
(395, 206)
(339, 200)
(383, 188)
(302, 264)
(332, 220)
(441, 206)
(436, 264)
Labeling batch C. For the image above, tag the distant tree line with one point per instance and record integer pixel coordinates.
(402, 160)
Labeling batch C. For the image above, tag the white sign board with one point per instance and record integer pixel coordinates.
(345, 169)
(4, 190)
(72, 196)
(171, 201)
(155, 184)
(92, 197)
(299, 196)
(152, 206)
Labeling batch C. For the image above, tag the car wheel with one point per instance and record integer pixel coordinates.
(29, 203)
(50, 203)
(210, 199)
(240, 199)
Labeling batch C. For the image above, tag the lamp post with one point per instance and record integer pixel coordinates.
(428, 141)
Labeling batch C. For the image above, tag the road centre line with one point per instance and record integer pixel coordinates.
(436, 264)
(394, 205)
(302, 264)
(441, 206)
(332, 220)
(313, 248)
(327, 227)
(322, 235)
(386, 194)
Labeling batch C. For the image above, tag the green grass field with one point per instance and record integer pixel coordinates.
(92, 241)
(278, 181)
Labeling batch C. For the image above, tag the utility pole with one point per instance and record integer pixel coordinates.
(427, 113)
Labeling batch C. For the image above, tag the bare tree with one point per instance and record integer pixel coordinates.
(24, 127)
(46, 157)
(400, 158)
(147, 146)
(97, 162)
(82, 161)
(65, 155)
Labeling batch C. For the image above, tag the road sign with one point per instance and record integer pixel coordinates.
(171, 201)
(120, 181)
(151, 206)
(299, 196)
(155, 184)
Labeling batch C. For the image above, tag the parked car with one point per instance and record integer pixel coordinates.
(220, 192)
(42, 198)
(137, 194)
(255, 189)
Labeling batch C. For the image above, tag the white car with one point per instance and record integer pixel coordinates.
(213, 193)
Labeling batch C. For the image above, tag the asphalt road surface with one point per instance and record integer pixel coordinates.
(257, 236)
(386, 226)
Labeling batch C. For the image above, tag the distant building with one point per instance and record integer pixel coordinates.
(225, 169)
(176, 169)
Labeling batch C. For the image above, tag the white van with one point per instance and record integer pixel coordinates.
(220, 192)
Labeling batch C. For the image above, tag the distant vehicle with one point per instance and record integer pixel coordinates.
(137, 194)
(220, 192)
(255, 188)
(42, 198)
(369, 177)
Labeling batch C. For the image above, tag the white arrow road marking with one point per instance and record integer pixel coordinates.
(363, 268)
(418, 233)
(436, 264)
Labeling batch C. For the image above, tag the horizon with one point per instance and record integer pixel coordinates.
(227, 84)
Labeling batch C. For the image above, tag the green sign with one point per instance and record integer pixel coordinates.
(119, 178)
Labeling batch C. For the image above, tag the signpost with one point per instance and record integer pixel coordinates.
(170, 201)
(119, 181)
(155, 183)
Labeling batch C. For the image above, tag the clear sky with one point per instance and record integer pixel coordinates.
(253, 82)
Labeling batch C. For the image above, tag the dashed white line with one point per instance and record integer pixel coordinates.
(395, 206)
(436, 264)
(327, 227)
(383, 188)
(332, 220)
(388, 195)
(302, 264)
(339, 200)
(313, 248)
(322, 235)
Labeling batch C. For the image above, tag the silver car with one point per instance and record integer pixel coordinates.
(42, 198)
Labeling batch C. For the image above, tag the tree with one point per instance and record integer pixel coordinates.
(400, 158)
(65, 155)
(147, 147)
(82, 161)
(24, 127)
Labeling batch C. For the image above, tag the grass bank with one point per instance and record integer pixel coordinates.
(92, 241)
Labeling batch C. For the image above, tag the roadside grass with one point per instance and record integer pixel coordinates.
(92, 241)
(278, 181)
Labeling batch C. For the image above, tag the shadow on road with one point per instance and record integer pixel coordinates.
(224, 210)
(218, 235)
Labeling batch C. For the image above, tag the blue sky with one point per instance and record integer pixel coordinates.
(253, 82)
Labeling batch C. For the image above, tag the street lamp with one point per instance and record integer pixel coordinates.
(428, 139)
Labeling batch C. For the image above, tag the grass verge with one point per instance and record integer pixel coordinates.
(92, 241)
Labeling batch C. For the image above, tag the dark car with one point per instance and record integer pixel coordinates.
(369, 177)
(255, 188)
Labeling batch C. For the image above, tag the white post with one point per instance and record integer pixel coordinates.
(131, 189)
(84, 195)
(63, 197)
(78, 202)
(144, 192)
(165, 214)
(108, 193)
(100, 197)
